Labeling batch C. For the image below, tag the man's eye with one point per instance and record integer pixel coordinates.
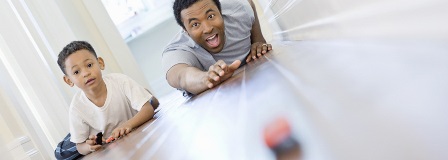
(195, 24)
(211, 16)
(89, 65)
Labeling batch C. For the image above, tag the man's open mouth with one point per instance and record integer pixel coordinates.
(213, 41)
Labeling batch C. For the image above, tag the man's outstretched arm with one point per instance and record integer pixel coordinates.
(196, 81)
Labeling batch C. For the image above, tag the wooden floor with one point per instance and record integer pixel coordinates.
(341, 99)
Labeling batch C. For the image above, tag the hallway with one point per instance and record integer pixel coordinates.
(353, 79)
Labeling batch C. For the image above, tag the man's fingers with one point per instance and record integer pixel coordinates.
(265, 48)
(217, 67)
(213, 76)
(210, 85)
(234, 65)
(221, 64)
(259, 50)
(248, 58)
(252, 54)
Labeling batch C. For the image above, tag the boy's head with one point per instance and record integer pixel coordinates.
(203, 22)
(80, 65)
(72, 48)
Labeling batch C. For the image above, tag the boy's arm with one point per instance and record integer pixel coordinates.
(145, 114)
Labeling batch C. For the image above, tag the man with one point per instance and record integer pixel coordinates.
(216, 37)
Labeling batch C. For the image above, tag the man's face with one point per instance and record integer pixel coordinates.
(205, 25)
(83, 70)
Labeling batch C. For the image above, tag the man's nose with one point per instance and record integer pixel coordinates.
(208, 28)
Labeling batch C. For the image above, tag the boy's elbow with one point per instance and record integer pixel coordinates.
(154, 102)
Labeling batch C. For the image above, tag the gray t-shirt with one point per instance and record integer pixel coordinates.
(238, 19)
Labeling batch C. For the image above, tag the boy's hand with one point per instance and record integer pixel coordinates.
(121, 131)
(90, 145)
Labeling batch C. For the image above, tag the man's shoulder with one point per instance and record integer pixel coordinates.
(180, 42)
(229, 7)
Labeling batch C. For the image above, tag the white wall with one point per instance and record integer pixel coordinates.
(334, 19)
(147, 49)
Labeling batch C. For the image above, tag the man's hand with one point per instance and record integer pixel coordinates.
(220, 72)
(257, 50)
(197, 81)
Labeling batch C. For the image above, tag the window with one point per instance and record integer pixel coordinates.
(133, 17)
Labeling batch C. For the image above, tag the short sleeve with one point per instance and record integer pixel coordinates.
(136, 94)
(173, 57)
(79, 130)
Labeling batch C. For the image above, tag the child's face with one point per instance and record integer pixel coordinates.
(83, 70)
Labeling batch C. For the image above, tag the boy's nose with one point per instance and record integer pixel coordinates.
(86, 73)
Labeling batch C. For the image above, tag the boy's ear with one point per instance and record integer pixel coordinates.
(68, 81)
(101, 62)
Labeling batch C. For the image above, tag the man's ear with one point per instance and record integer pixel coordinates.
(185, 29)
(68, 81)
(101, 62)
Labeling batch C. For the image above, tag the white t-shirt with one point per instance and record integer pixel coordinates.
(125, 97)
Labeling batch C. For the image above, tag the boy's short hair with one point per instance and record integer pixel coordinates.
(72, 48)
(180, 5)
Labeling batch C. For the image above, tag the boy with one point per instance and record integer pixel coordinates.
(113, 104)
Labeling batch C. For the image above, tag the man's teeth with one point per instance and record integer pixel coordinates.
(210, 38)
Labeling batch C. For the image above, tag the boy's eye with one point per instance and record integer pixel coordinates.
(195, 24)
(89, 65)
(76, 72)
(211, 16)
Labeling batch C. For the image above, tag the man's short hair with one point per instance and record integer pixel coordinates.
(180, 5)
(72, 48)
